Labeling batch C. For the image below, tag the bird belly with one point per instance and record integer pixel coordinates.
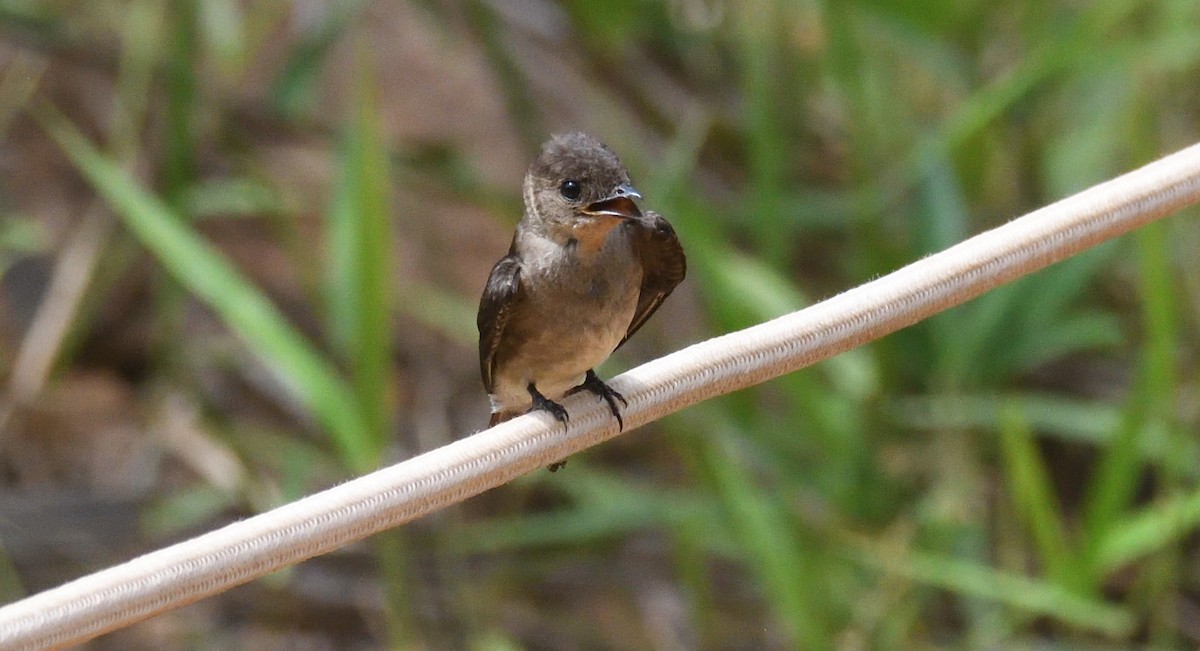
(575, 315)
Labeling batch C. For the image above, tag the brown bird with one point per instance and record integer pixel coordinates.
(586, 269)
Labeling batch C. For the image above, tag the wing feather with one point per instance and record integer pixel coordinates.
(663, 267)
(495, 306)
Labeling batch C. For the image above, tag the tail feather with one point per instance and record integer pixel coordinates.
(498, 417)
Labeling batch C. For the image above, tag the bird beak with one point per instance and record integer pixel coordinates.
(620, 204)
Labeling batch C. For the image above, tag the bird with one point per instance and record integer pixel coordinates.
(586, 269)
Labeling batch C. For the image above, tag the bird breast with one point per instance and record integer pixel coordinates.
(578, 307)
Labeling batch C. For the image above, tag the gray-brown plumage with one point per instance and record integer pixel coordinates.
(586, 269)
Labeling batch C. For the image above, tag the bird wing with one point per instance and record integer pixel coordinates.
(495, 307)
(663, 267)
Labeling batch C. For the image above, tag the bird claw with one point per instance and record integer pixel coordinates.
(559, 412)
(591, 383)
(542, 403)
(594, 384)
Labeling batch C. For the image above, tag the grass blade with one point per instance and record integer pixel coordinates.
(180, 164)
(1033, 495)
(761, 525)
(360, 260)
(1149, 531)
(979, 581)
(1152, 402)
(204, 272)
(294, 92)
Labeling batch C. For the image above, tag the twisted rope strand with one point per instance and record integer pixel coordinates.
(237, 553)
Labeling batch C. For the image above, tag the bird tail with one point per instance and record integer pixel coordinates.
(499, 417)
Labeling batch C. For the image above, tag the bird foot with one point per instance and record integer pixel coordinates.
(597, 386)
(542, 403)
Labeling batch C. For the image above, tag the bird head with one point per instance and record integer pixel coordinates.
(577, 180)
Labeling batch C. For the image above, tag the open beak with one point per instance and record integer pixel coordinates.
(619, 205)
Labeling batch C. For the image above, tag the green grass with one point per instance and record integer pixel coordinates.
(359, 262)
(1021, 471)
(204, 272)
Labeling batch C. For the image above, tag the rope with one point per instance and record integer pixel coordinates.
(237, 553)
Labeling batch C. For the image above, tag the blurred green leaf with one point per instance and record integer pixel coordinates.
(1072, 44)
(1152, 404)
(790, 573)
(441, 310)
(360, 265)
(602, 506)
(233, 197)
(523, 111)
(1092, 422)
(11, 586)
(20, 79)
(141, 55)
(1165, 523)
(179, 166)
(758, 32)
(1014, 328)
(287, 466)
(223, 25)
(982, 582)
(199, 268)
(190, 508)
(19, 236)
(1034, 497)
(294, 92)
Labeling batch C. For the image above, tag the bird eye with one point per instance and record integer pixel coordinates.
(570, 190)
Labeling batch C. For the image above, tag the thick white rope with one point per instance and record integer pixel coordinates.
(237, 553)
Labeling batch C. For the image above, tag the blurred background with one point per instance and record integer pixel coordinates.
(242, 243)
